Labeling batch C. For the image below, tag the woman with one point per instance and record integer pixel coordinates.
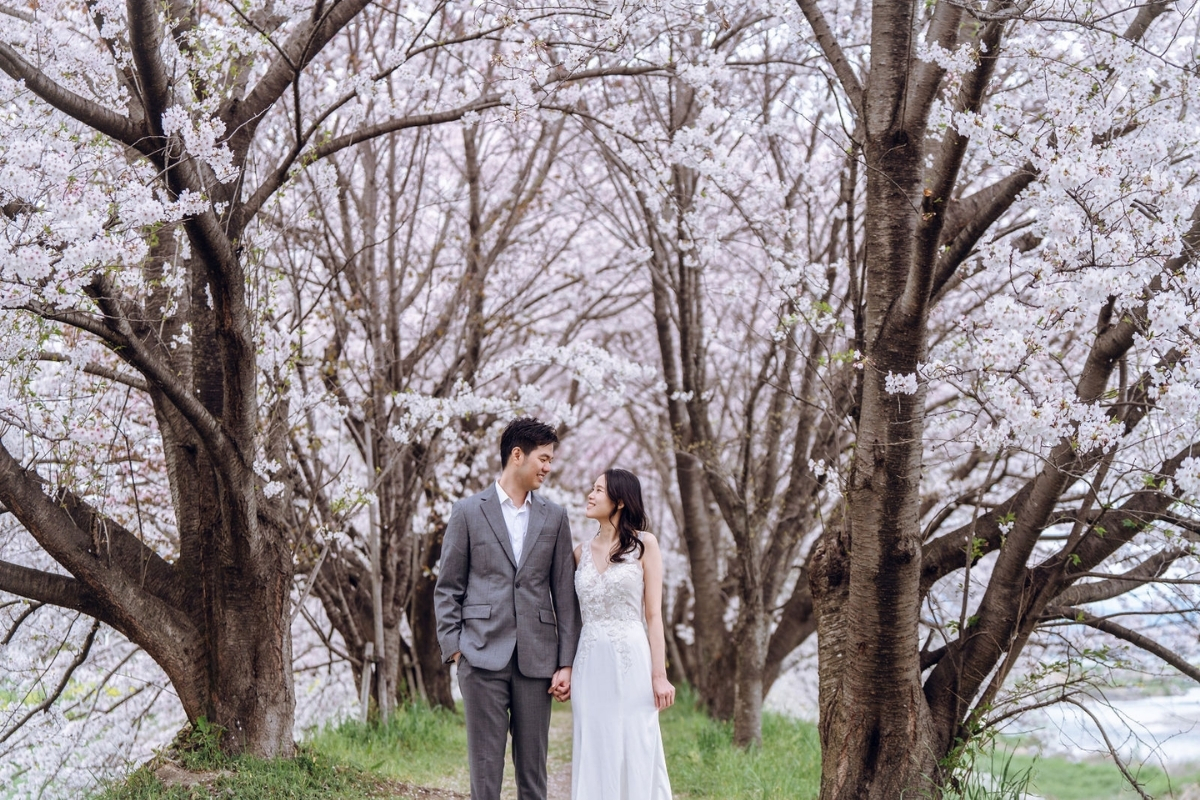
(619, 680)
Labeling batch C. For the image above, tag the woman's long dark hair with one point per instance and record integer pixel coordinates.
(625, 491)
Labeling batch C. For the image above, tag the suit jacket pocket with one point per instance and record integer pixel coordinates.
(547, 616)
(476, 612)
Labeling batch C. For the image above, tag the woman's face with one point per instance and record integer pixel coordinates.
(599, 506)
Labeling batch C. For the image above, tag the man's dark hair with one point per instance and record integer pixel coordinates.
(526, 433)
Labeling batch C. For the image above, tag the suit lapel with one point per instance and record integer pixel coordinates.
(490, 503)
(537, 518)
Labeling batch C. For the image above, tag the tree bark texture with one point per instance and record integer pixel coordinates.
(875, 728)
(885, 733)
(218, 619)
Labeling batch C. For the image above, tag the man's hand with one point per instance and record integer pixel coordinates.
(456, 655)
(560, 684)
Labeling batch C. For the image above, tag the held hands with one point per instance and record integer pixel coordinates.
(560, 684)
(664, 692)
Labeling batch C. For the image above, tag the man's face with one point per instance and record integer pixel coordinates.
(531, 469)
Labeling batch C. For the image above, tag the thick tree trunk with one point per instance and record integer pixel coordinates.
(876, 733)
(830, 588)
(218, 626)
(423, 622)
(750, 654)
(251, 693)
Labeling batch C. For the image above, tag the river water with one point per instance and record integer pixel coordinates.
(1163, 730)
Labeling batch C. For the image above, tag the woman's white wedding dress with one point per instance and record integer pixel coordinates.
(618, 749)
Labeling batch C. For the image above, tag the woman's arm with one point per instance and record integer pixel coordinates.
(664, 692)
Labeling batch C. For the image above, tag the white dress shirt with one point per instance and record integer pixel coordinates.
(515, 519)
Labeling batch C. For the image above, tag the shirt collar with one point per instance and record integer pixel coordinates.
(504, 498)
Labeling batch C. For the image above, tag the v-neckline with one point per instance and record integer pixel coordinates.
(592, 558)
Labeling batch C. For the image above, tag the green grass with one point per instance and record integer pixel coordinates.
(1060, 779)
(703, 762)
(419, 745)
(426, 747)
(995, 776)
(308, 776)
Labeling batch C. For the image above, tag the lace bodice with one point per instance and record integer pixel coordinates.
(615, 595)
(611, 605)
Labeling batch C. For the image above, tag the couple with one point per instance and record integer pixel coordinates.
(508, 599)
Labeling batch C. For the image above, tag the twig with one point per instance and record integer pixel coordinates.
(62, 684)
(1136, 639)
(1137, 787)
(24, 615)
(312, 578)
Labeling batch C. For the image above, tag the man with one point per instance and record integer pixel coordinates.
(507, 613)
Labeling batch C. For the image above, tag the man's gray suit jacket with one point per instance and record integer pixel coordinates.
(487, 604)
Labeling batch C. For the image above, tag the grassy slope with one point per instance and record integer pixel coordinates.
(429, 748)
(305, 777)
(1060, 779)
(703, 762)
(421, 747)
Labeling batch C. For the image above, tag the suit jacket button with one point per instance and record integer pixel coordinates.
(518, 586)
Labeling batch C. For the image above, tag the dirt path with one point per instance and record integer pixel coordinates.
(406, 791)
(559, 766)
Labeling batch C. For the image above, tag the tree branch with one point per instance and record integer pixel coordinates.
(45, 587)
(927, 79)
(295, 54)
(137, 613)
(968, 219)
(280, 174)
(833, 53)
(20, 620)
(133, 351)
(1083, 593)
(16, 13)
(1112, 751)
(145, 46)
(945, 554)
(796, 623)
(80, 657)
(94, 115)
(100, 371)
(1145, 17)
(928, 269)
(481, 103)
(77, 319)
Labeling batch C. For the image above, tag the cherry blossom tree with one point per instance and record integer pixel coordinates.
(968, 190)
(916, 279)
(975, 124)
(724, 202)
(444, 278)
(142, 145)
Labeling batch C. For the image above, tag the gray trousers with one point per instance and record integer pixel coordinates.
(497, 703)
